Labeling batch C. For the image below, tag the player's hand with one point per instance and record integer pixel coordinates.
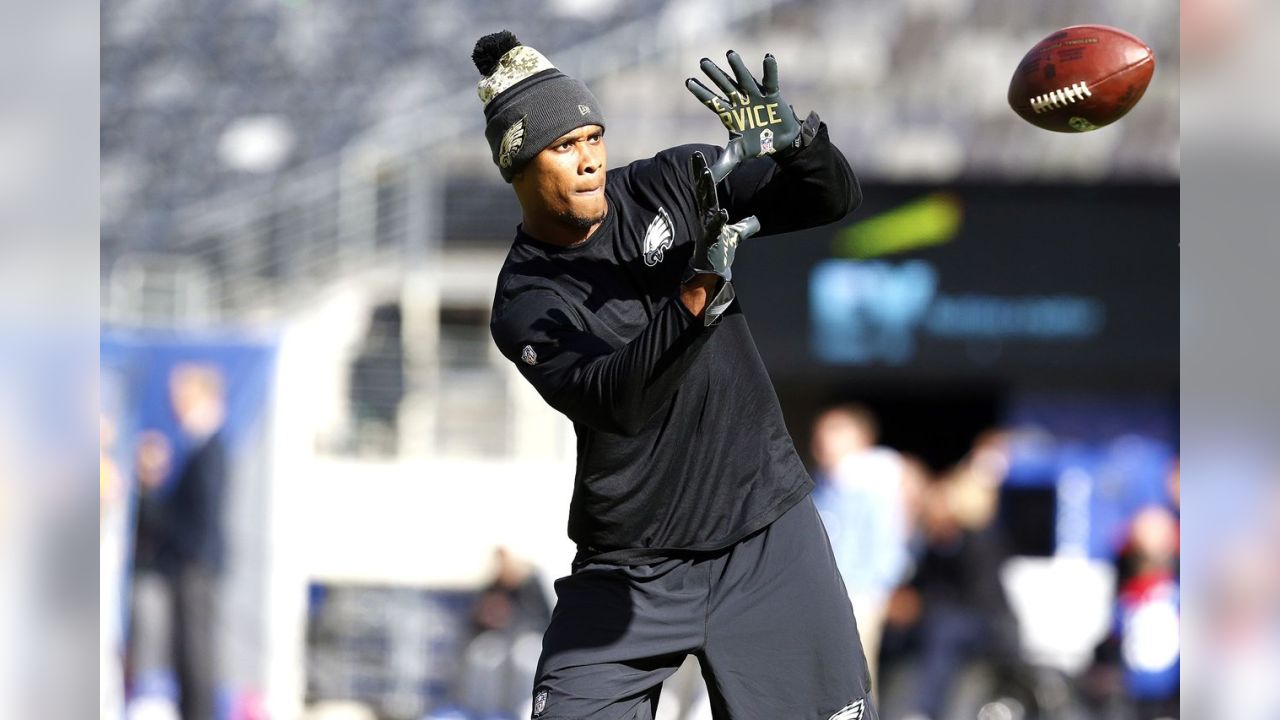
(717, 244)
(759, 121)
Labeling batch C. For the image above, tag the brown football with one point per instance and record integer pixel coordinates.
(1081, 78)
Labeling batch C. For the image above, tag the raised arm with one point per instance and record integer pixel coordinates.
(812, 186)
(784, 171)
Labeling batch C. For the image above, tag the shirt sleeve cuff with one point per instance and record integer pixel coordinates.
(720, 303)
(808, 131)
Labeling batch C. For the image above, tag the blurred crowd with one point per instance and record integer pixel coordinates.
(170, 667)
(924, 556)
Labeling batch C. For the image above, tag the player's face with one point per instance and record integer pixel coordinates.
(566, 179)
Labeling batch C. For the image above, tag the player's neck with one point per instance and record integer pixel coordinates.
(555, 231)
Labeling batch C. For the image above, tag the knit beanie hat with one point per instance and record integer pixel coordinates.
(528, 103)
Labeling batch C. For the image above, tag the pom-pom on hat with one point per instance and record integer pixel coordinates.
(528, 103)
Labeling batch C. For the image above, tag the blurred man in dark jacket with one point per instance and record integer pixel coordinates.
(197, 539)
(180, 544)
(966, 614)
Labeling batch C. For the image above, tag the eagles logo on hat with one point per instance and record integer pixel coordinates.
(512, 141)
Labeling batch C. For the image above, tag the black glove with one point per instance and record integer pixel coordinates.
(760, 122)
(715, 247)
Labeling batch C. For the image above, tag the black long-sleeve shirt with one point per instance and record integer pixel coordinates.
(681, 442)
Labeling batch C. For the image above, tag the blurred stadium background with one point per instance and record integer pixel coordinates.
(297, 197)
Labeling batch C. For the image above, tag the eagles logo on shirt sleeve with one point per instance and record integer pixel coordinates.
(658, 237)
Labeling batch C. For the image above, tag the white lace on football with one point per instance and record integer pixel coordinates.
(1060, 97)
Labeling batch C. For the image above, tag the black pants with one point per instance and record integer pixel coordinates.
(953, 636)
(195, 641)
(768, 619)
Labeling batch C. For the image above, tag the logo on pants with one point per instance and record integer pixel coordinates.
(852, 711)
(539, 703)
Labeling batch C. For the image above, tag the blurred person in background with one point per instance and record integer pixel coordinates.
(691, 509)
(180, 544)
(508, 619)
(151, 584)
(513, 602)
(1138, 665)
(1147, 616)
(196, 537)
(964, 614)
(862, 497)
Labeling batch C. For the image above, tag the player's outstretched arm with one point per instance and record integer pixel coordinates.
(813, 187)
(806, 181)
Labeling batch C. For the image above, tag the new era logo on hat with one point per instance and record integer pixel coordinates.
(584, 110)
